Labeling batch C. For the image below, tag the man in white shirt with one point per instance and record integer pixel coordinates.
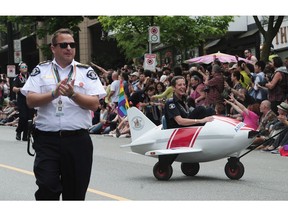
(113, 96)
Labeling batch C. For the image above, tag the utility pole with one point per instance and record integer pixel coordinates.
(10, 55)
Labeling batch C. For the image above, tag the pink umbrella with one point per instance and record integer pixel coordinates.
(222, 57)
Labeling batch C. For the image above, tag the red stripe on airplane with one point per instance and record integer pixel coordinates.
(183, 137)
(195, 136)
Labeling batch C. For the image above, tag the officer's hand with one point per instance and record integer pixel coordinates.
(62, 87)
(57, 90)
(70, 86)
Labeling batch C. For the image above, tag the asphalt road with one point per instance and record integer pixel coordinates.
(119, 174)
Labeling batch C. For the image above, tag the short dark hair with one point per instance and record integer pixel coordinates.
(277, 61)
(175, 78)
(261, 64)
(195, 77)
(58, 32)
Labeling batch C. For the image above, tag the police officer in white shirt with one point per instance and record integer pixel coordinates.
(64, 92)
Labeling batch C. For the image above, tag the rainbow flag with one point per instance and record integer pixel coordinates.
(123, 103)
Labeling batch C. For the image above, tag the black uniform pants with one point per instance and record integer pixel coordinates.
(25, 114)
(62, 166)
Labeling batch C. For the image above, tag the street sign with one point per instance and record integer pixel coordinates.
(150, 62)
(17, 45)
(11, 71)
(17, 57)
(154, 34)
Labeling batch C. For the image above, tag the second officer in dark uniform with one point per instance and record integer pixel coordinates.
(25, 113)
(177, 113)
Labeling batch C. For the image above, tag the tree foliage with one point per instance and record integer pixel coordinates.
(49, 24)
(131, 32)
(273, 25)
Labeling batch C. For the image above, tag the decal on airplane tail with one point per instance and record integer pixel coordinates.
(139, 124)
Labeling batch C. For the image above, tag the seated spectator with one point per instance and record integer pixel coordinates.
(99, 126)
(149, 107)
(267, 117)
(251, 114)
(220, 109)
(7, 110)
(112, 119)
(278, 127)
(123, 128)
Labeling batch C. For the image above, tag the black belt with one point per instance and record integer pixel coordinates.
(61, 133)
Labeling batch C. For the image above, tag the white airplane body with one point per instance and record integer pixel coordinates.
(222, 138)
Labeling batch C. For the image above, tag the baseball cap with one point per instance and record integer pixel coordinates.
(135, 74)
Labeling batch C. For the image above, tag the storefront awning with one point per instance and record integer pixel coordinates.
(248, 33)
(212, 43)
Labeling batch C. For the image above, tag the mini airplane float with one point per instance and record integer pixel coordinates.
(222, 138)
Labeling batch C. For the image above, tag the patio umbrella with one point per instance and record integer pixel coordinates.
(222, 57)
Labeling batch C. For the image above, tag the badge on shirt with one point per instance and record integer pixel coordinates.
(35, 71)
(172, 106)
(91, 74)
(59, 108)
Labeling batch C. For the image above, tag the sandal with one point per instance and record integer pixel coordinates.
(271, 148)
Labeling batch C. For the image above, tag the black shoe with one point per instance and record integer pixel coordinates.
(117, 133)
(18, 136)
(25, 137)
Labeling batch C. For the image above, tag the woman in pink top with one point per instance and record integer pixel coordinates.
(251, 114)
(197, 92)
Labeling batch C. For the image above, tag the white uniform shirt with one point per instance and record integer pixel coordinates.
(115, 86)
(43, 80)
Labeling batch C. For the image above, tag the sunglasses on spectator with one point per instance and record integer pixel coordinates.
(24, 66)
(65, 45)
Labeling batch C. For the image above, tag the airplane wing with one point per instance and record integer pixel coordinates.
(147, 142)
(172, 151)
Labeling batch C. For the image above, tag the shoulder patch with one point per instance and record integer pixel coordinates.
(45, 62)
(35, 71)
(91, 74)
(83, 66)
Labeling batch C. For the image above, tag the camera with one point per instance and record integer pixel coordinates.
(263, 83)
(206, 89)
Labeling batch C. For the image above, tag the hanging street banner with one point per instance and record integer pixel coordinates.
(150, 62)
(154, 34)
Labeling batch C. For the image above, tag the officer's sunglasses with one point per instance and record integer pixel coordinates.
(65, 45)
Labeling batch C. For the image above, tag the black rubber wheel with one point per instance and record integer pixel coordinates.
(190, 169)
(163, 173)
(235, 170)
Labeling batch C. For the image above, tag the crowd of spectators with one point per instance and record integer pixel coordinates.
(243, 90)
(254, 92)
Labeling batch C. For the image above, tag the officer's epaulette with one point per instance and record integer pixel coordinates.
(83, 66)
(45, 62)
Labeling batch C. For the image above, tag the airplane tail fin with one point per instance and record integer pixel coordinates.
(138, 122)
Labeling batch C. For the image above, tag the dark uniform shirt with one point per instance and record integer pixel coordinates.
(19, 81)
(175, 107)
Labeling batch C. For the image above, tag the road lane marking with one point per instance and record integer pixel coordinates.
(17, 169)
(107, 195)
(101, 193)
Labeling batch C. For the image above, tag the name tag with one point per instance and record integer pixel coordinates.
(59, 108)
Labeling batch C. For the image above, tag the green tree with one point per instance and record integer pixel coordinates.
(273, 25)
(49, 24)
(131, 32)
